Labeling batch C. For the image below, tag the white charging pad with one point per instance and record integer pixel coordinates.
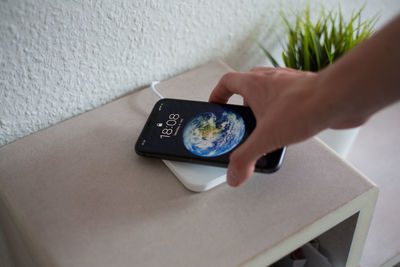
(197, 177)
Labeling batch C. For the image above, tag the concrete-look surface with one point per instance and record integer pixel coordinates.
(81, 196)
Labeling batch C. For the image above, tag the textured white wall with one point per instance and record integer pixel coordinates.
(61, 58)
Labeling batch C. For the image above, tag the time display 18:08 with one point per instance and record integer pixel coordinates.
(170, 124)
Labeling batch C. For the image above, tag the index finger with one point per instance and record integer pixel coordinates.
(231, 83)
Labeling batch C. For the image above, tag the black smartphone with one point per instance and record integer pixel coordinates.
(200, 132)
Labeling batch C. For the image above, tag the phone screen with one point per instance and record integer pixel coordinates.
(200, 131)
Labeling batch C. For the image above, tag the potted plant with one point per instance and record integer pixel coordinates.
(313, 45)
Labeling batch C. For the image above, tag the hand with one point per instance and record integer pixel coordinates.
(286, 109)
(291, 106)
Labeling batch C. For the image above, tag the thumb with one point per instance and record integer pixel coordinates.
(243, 160)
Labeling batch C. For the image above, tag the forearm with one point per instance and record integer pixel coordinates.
(366, 79)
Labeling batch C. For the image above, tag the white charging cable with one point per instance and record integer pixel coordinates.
(153, 87)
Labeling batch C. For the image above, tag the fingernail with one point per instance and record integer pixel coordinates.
(232, 179)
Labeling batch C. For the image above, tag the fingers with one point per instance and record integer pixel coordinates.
(236, 83)
(243, 160)
(231, 83)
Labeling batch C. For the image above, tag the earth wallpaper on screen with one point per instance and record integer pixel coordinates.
(213, 133)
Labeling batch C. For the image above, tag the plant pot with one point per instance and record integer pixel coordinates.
(339, 140)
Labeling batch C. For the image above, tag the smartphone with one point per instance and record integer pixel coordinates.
(200, 132)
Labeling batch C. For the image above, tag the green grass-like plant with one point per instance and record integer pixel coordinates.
(312, 45)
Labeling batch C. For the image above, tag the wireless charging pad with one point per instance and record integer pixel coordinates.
(197, 177)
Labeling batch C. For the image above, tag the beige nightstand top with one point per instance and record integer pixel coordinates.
(80, 196)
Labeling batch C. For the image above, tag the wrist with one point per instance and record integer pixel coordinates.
(316, 103)
(342, 100)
